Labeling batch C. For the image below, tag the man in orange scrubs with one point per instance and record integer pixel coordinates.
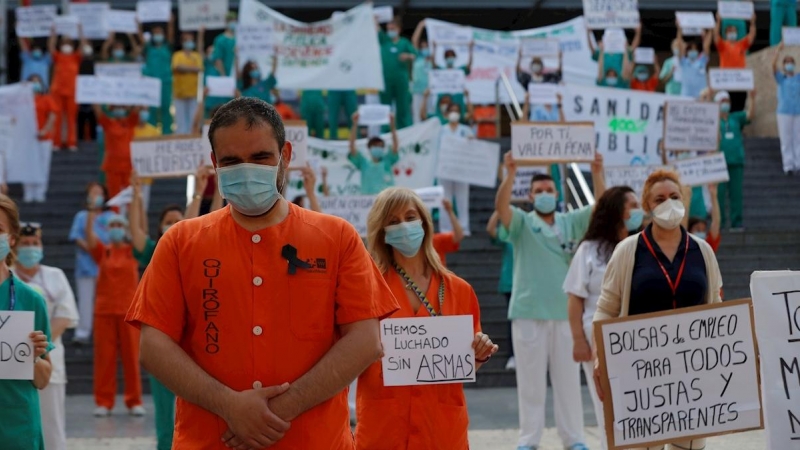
(119, 126)
(261, 300)
(66, 63)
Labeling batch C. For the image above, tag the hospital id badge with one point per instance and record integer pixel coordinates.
(729, 135)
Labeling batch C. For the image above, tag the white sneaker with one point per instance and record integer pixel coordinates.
(102, 411)
(511, 364)
(137, 411)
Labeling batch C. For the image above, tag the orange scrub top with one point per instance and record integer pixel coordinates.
(118, 136)
(226, 296)
(65, 73)
(45, 105)
(416, 417)
(486, 130)
(117, 279)
(444, 243)
(649, 85)
(733, 55)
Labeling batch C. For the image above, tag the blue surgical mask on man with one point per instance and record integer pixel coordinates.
(611, 81)
(642, 75)
(158, 38)
(255, 75)
(36, 53)
(725, 107)
(29, 257)
(406, 237)
(252, 189)
(392, 34)
(377, 152)
(425, 53)
(693, 54)
(116, 234)
(544, 202)
(232, 26)
(634, 222)
(450, 60)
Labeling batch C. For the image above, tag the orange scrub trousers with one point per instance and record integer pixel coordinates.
(117, 161)
(65, 75)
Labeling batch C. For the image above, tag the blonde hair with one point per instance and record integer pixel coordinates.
(657, 177)
(387, 202)
(9, 208)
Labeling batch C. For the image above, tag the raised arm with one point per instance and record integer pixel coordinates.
(353, 134)
(104, 54)
(627, 67)
(171, 30)
(502, 202)
(776, 58)
(325, 191)
(716, 215)
(98, 111)
(491, 225)
(136, 49)
(751, 105)
(417, 36)
(590, 40)
(201, 39)
(458, 231)
(681, 41)
(216, 201)
(310, 185)
(136, 215)
(751, 36)
(598, 175)
(52, 40)
(717, 26)
(140, 30)
(560, 108)
(470, 112)
(81, 38)
(395, 139)
(637, 38)
(274, 64)
(423, 111)
(526, 108)
(24, 45)
(707, 38)
(200, 184)
(471, 51)
(601, 64)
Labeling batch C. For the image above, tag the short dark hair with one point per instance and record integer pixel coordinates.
(253, 111)
(449, 51)
(168, 209)
(695, 221)
(541, 177)
(375, 140)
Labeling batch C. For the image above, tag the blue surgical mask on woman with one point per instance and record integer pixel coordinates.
(188, 45)
(611, 81)
(634, 222)
(545, 202)
(144, 115)
(732, 36)
(642, 76)
(377, 152)
(700, 235)
(37, 87)
(5, 248)
(29, 256)
(392, 34)
(425, 53)
(165, 228)
(158, 38)
(36, 53)
(406, 237)
(451, 61)
(255, 74)
(693, 54)
(232, 26)
(789, 67)
(116, 234)
(97, 202)
(725, 107)
(252, 189)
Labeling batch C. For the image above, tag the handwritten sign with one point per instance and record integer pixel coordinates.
(208, 13)
(428, 350)
(735, 9)
(679, 374)
(631, 176)
(67, 26)
(791, 36)
(447, 33)
(297, 134)
(521, 190)
(35, 21)
(446, 81)
(552, 142)
(374, 114)
(615, 41)
(600, 14)
(92, 17)
(354, 209)
(542, 93)
(469, 161)
(122, 21)
(540, 47)
(118, 90)
(124, 70)
(704, 170)
(776, 305)
(168, 157)
(153, 11)
(702, 20)
(221, 86)
(431, 196)
(731, 79)
(692, 31)
(691, 126)
(644, 55)
(253, 41)
(383, 14)
(16, 348)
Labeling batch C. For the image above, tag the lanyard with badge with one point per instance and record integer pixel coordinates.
(672, 285)
(728, 133)
(12, 293)
(421, 295)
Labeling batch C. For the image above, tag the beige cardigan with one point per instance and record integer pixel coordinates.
(616, 293)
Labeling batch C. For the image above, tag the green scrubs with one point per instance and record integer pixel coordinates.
(454, 98)
(20, 417)
(396, 77)
(375, 176)
(158, 64)
(225, 50)
(612, 60)
(783, 13)
(163, 398)
(261, 90)
(312, 109)
(732, 145)
(336, 101)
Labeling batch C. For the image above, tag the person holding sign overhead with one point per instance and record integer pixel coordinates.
(186, 65)
(34, 61)
(611, 77)
(732, 50)
(19, 399)
(661, 268)
(731, 143)
(614, 61)
(118, 125)
(645, 77)
(788, 79)
(693, 63)
(450, 59)
(377, 172)
(157, 64)
(671, 71)
(66, 64)
(397, 55)
(113, 50)
(253, 84)
(537, 73)
(544, 241)
(434, 416)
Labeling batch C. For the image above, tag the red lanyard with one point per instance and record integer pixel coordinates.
(672, 286)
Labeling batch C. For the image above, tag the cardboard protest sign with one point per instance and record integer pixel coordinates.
(431, 196)
(631, 176)
(536, 143)
(125, 197)
(221, 86)
(375, 114)
(207, 13)
(297, 134)
(691, 126)
(791, 36)
(692, 31)
(702, 20)
(446, 81)
(679, 374)
(144, 91)
(168, 157)
(149, 11)
(731, 79)
(384, 14)
(601, 14)
(469, 161)
(520, 193)
(23, 164)
(776, 306)
(541, 47)
(92, 17)
(615, 41)
(16, 347)
(122, 70)
(440, 32)
(121, 21)
(67, 26)
(644, 55)
(708, 169)
(253, 42)
(543, 93)
(35, 21)
(354, 209)
(427, 350)
(735, 9)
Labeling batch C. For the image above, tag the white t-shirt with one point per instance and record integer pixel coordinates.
(54, 287)
(585, 279)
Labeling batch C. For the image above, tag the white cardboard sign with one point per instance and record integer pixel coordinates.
(67, 26)
(469, 161)
(427, 350)
(168, 158)
(124, 70)
(374, 114)
(446, 81)
(354, 209)
(691, 126)
(16, 348)
(614, 42)
(552, 142)
(122, 21)
(125, 197)
(384, 14)
(735, 9)
(253, 41)
(702, 20)
(631, 176)
(144, 91)
(208, 13)
(731, 79)
(679, 374)
(601, 14)
(776, 306)
(542, 93)
(541, 47)
(35, 21)
(644, 55)
(153, 11)
(92, 17)
(791, 36)
(431, 196)
(297, 133)
(709, 169)
(221, 86)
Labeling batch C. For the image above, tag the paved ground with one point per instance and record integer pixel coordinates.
(493, 426)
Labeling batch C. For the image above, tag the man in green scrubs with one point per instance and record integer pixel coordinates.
(377, 171)
(158, 64)
(225, 47)
(397, 55)
(731, 144)
(312, 109)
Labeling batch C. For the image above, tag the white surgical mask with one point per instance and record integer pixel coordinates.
(669, 214)
(453, 117)
(732, 36)
(66, 48)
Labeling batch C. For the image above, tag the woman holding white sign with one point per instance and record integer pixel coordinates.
(788, 79)
(430, 416)
(662, 268)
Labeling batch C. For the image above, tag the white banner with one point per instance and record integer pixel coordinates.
(631, 176)
(35, 21)
(691, 126)
(16, 347)
(540, 47)
(121, 70)
(644, 55)
(67, 26)
(736, 9)
(168, 157)
(791, 36)
(221, 86)
(297, 134)
(468, 161)
(375, 114)
(679, 374)
(702, 20)
(92, 17)
(601, 14)
(149, 11)
(446, 81)
(122, 21)
(207, 13)
(23, 164)
(254, 42)
(731, 79)
(340, 53)
(144, 91)
(552, 142)
(427, 350)
(709, 169)
(776, 306)
(445, 33)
